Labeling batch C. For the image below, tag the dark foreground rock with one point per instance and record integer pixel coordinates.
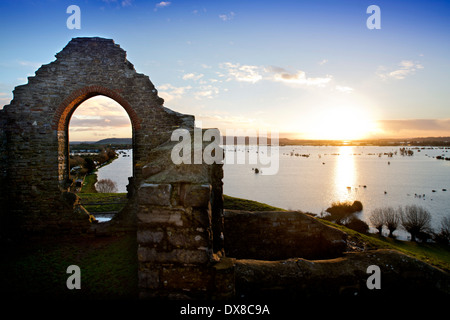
(400, 275)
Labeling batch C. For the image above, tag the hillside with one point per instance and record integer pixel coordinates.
(115, 141)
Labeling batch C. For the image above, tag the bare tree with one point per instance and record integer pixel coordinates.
(445, 226)
(444, 235)
(106, 186)
(376, 219)
(391, 219)
(416, 219)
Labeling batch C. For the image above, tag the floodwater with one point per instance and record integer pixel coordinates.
(311, 178)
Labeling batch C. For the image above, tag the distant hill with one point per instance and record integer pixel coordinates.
(419, 141)
(115, 141)
(124, 143)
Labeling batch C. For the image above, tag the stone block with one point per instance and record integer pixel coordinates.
(188, 239)
(183, 256)
(148, 279)
(149, 236)
(197, 195)
(155, 194)
(187, 278)
(160, 216)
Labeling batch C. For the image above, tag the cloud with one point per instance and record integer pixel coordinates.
(207, 91)
(197, 12)
(225, 121)
(416, 124)
(85, 123)
(192, 76)
(253, 74)
(404, 69)
(415, 127)
(169, 92)
(123, 3)
(162, 4)
(99, 114)
(322, 62)
(297, 78)
(242, 73)
(227, 17)
(344, 89)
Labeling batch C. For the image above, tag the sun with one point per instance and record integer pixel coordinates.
(342, 123)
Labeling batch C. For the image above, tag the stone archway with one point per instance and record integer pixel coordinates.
(176, 210)
(34, 131)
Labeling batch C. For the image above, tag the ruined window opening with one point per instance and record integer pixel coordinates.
(103, 120)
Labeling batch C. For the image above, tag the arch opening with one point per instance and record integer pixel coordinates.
(98, 134)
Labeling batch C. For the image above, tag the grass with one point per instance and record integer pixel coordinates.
(102, 202)
(432, 253)
(89, 183)
(435, 254)
(90, 179)
(233, 203)
(38, 270)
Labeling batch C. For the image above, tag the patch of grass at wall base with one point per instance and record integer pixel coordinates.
(233, 203)
(38, 271)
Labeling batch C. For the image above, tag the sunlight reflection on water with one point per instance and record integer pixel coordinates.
(345, 175)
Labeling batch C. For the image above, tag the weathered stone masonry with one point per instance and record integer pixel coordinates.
(175, 209)
(35, 128)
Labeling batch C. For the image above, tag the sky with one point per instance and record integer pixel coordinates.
(308, 69)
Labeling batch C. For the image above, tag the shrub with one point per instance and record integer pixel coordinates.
(357, 206)
(342, 212)
(89, 164)
(106, 186)
(76, 161)
(357, 225)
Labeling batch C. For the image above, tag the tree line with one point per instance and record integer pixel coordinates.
(415, 219)
(89, 162)
(82, 165)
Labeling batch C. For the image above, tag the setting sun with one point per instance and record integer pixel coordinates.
(342, 123)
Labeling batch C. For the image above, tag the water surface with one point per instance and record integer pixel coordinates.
(311, 178)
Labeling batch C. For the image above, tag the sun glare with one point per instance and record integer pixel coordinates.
(345, 175)
(342, 123)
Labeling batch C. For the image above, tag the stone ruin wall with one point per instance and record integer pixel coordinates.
(175, 210)
(35, 124)
(280, 235)
(180, 230)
